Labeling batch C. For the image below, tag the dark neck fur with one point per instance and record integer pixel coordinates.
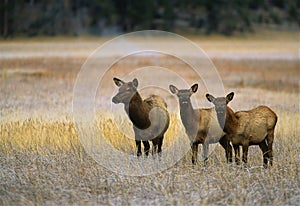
(138, 112)
(231, 121)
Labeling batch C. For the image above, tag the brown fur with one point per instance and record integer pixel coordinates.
(200, 125)
(252, 127)
(150, 117)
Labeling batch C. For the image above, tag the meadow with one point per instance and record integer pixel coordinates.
(42, 161)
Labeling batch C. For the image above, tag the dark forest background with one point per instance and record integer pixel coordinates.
(112, 17)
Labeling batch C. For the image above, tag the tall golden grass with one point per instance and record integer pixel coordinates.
(44, 136)
(43, 162)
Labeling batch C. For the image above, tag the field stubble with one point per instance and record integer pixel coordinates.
(43, 162)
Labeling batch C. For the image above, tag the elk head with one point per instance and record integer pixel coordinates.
(126, 91)
(220, 106)
(184, 95)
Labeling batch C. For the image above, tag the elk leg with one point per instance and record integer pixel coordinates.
(146, 147)
(264, 148)
(205, 147)
(139, 148)
(237, 154)
(245, 153)
(155, 145)
(160, 142)
(159, 145)
(154, 149)
(195, 151)
(270, 139)
(225, 143)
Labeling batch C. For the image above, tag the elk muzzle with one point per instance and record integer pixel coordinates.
(116, 99)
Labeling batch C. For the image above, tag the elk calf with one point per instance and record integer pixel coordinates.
(150, 117)
(200, 124)
(246, 128)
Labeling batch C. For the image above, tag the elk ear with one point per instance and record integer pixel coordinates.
(229, 97)
(173, 89)
(118, 82)
(194, 88)
(135, 83)
(210, 97)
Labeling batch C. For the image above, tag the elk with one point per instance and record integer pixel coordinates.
(200, 125)
(150, 117)
(246, 128)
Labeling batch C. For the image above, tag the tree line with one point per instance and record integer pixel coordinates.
(111, 17)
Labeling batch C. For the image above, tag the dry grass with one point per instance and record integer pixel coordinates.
(278, 75)
(42, 161)
(125, 143)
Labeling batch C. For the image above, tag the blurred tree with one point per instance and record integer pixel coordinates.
(66, 17)
(226, 17)
(134, 14)
(7, 18)
(169, 14)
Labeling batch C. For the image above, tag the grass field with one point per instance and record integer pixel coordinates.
(42, 161)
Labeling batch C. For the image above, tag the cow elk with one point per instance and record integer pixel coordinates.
(150, 117)
(200, 125)
(246, 128)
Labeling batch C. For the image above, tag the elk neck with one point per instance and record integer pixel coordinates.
(138, 112)
(231, 122)
(188, 115)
